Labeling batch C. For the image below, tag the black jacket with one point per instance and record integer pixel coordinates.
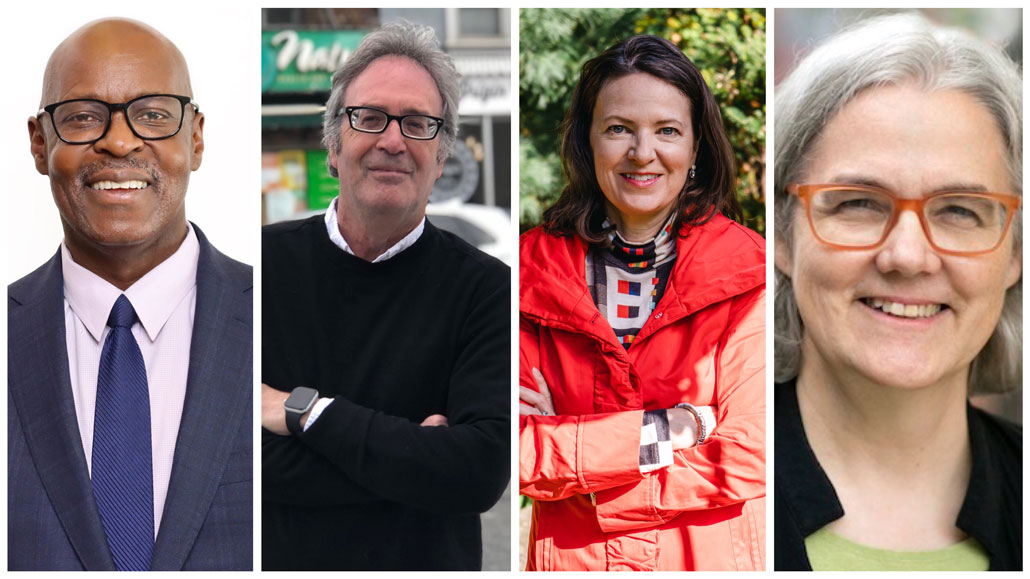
(805, 501)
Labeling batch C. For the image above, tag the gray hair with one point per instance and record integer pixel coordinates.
(408, 40)
(881, 51)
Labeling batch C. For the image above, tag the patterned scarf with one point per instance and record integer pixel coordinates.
(627, 280)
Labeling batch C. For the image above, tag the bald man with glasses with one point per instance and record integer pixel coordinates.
(130, 351)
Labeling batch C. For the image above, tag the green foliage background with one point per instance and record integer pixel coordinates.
(727, 45)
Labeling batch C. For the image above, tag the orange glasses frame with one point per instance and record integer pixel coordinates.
(805, 192)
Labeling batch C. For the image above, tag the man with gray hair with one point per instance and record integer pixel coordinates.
(386, 343)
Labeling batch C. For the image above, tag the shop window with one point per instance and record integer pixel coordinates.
(478, 27)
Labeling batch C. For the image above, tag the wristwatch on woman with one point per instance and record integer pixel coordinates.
(297, 405)
(702, 430)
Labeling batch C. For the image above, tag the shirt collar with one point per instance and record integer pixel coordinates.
(987, 509)
(800, 479)
(993, 501)
(337, 238)
(154, 296)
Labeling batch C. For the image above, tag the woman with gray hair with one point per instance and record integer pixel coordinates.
(898, 290)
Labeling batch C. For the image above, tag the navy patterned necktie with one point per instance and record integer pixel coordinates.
(122, 470)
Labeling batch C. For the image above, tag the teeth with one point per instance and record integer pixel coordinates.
(639, 177)
(101, 185)
(904, 310)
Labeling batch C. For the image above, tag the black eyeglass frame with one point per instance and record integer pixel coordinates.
(124, 107)
(348, 111)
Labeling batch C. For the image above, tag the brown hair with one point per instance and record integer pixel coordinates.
(580, 208)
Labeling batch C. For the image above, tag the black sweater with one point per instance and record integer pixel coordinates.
(426, 332)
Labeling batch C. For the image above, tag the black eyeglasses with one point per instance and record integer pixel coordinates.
(151, 117)
(370, 120)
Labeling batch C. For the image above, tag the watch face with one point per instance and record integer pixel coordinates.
(300, 399)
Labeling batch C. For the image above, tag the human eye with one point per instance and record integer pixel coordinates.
(152, 116)
(82, 117)
(155, 111)
(617, 130)
(853, 204)
(368, 119)
(80, 114)
(417, 125)
(669, 131)
(965, 211)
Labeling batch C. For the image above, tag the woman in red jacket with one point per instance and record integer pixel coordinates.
(642, 334)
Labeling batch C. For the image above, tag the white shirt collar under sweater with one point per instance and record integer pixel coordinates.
(336, 237)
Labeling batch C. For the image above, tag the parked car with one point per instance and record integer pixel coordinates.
(488, 228)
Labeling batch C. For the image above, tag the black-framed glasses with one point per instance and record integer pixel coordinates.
(151, 117)
(372, 120)
(861, 217)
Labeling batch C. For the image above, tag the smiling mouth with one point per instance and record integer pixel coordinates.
(900, 310)
(109, 185)
(641, 178)
(388, 173)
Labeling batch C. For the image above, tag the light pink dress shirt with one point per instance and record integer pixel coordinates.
(165, 300)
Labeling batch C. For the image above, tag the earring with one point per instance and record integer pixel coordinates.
(693, 171)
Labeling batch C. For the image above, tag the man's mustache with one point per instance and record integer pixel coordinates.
(88, 172)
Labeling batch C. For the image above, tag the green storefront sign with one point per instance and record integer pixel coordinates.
(304, 60)
(322, 187)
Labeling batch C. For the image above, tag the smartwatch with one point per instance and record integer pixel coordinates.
(298, 404)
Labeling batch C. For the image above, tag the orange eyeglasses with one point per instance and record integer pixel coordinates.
(862, 217)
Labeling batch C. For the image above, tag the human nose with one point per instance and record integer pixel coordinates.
(391, 139)
(907, 249)
(119, 140)
(642, 150)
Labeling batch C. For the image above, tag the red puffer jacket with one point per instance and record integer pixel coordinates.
(703, 344)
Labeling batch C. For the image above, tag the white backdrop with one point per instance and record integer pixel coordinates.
(220, 44)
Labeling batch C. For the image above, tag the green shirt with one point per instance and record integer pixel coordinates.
(828, 551)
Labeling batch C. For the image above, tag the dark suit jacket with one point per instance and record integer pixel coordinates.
(52, 518)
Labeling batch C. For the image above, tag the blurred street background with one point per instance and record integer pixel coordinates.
(300, 50)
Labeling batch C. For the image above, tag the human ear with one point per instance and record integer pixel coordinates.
(1015, 268)
(197, 131)
(783, 257)
(332, 159)
(37, 145)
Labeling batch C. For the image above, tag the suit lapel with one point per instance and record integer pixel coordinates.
(40, 387)
(217, 399)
